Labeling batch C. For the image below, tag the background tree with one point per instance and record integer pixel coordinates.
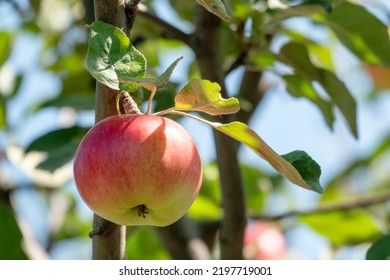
(333, 54)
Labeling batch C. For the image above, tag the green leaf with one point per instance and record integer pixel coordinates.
(73, 225)
(10, 236)
(280, 14)
(60, 146)
(325, 4)
(165, 97)
(300, 87)
(144, 243)
(380, 249)
(149, 83)
(360, 31)
(3, 113)
(79, 102)
(111, 57)
(341, 97)
(263, 58)
(204, 209)
(296, 55)
(204, 96)
(306, 166)
(257, 186)
(207, 205)
(303, 171)
(216, 7)
(5, 46)
(344, 227)
(163, 79)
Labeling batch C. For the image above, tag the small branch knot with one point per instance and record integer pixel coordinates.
(131, 8)
(97, 230)
(129, 104)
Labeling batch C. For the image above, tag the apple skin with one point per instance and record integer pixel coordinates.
(138, 170)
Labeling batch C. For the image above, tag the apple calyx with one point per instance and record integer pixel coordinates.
(142, 210)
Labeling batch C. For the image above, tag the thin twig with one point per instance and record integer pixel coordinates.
(327, 208)
(240, 60)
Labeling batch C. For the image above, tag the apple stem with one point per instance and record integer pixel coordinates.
(153, 90)
(129, 105)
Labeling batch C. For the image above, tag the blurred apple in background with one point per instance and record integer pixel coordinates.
(263, 241)
(380, 76)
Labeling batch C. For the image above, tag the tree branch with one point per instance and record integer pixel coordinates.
(108, 239)
(206, 47)
(331, 207)
(171, 30)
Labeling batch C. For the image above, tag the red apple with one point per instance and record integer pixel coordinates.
(138, 170)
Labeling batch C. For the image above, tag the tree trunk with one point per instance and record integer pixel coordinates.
(207, 51)
(109, 239)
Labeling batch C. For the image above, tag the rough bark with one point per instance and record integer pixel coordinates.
(109, 239)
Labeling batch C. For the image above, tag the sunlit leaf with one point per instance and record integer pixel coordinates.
(111, 57)
(59, 145)
(263, 59)
(380, 249)
(301, 170)
(344, 227)
(204, 96)
(216, 7)
(10, 236)
(354, 27)
(204, 209)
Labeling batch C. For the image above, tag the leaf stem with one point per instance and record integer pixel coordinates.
(152, 93)
(117, 100)
(184, 114)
